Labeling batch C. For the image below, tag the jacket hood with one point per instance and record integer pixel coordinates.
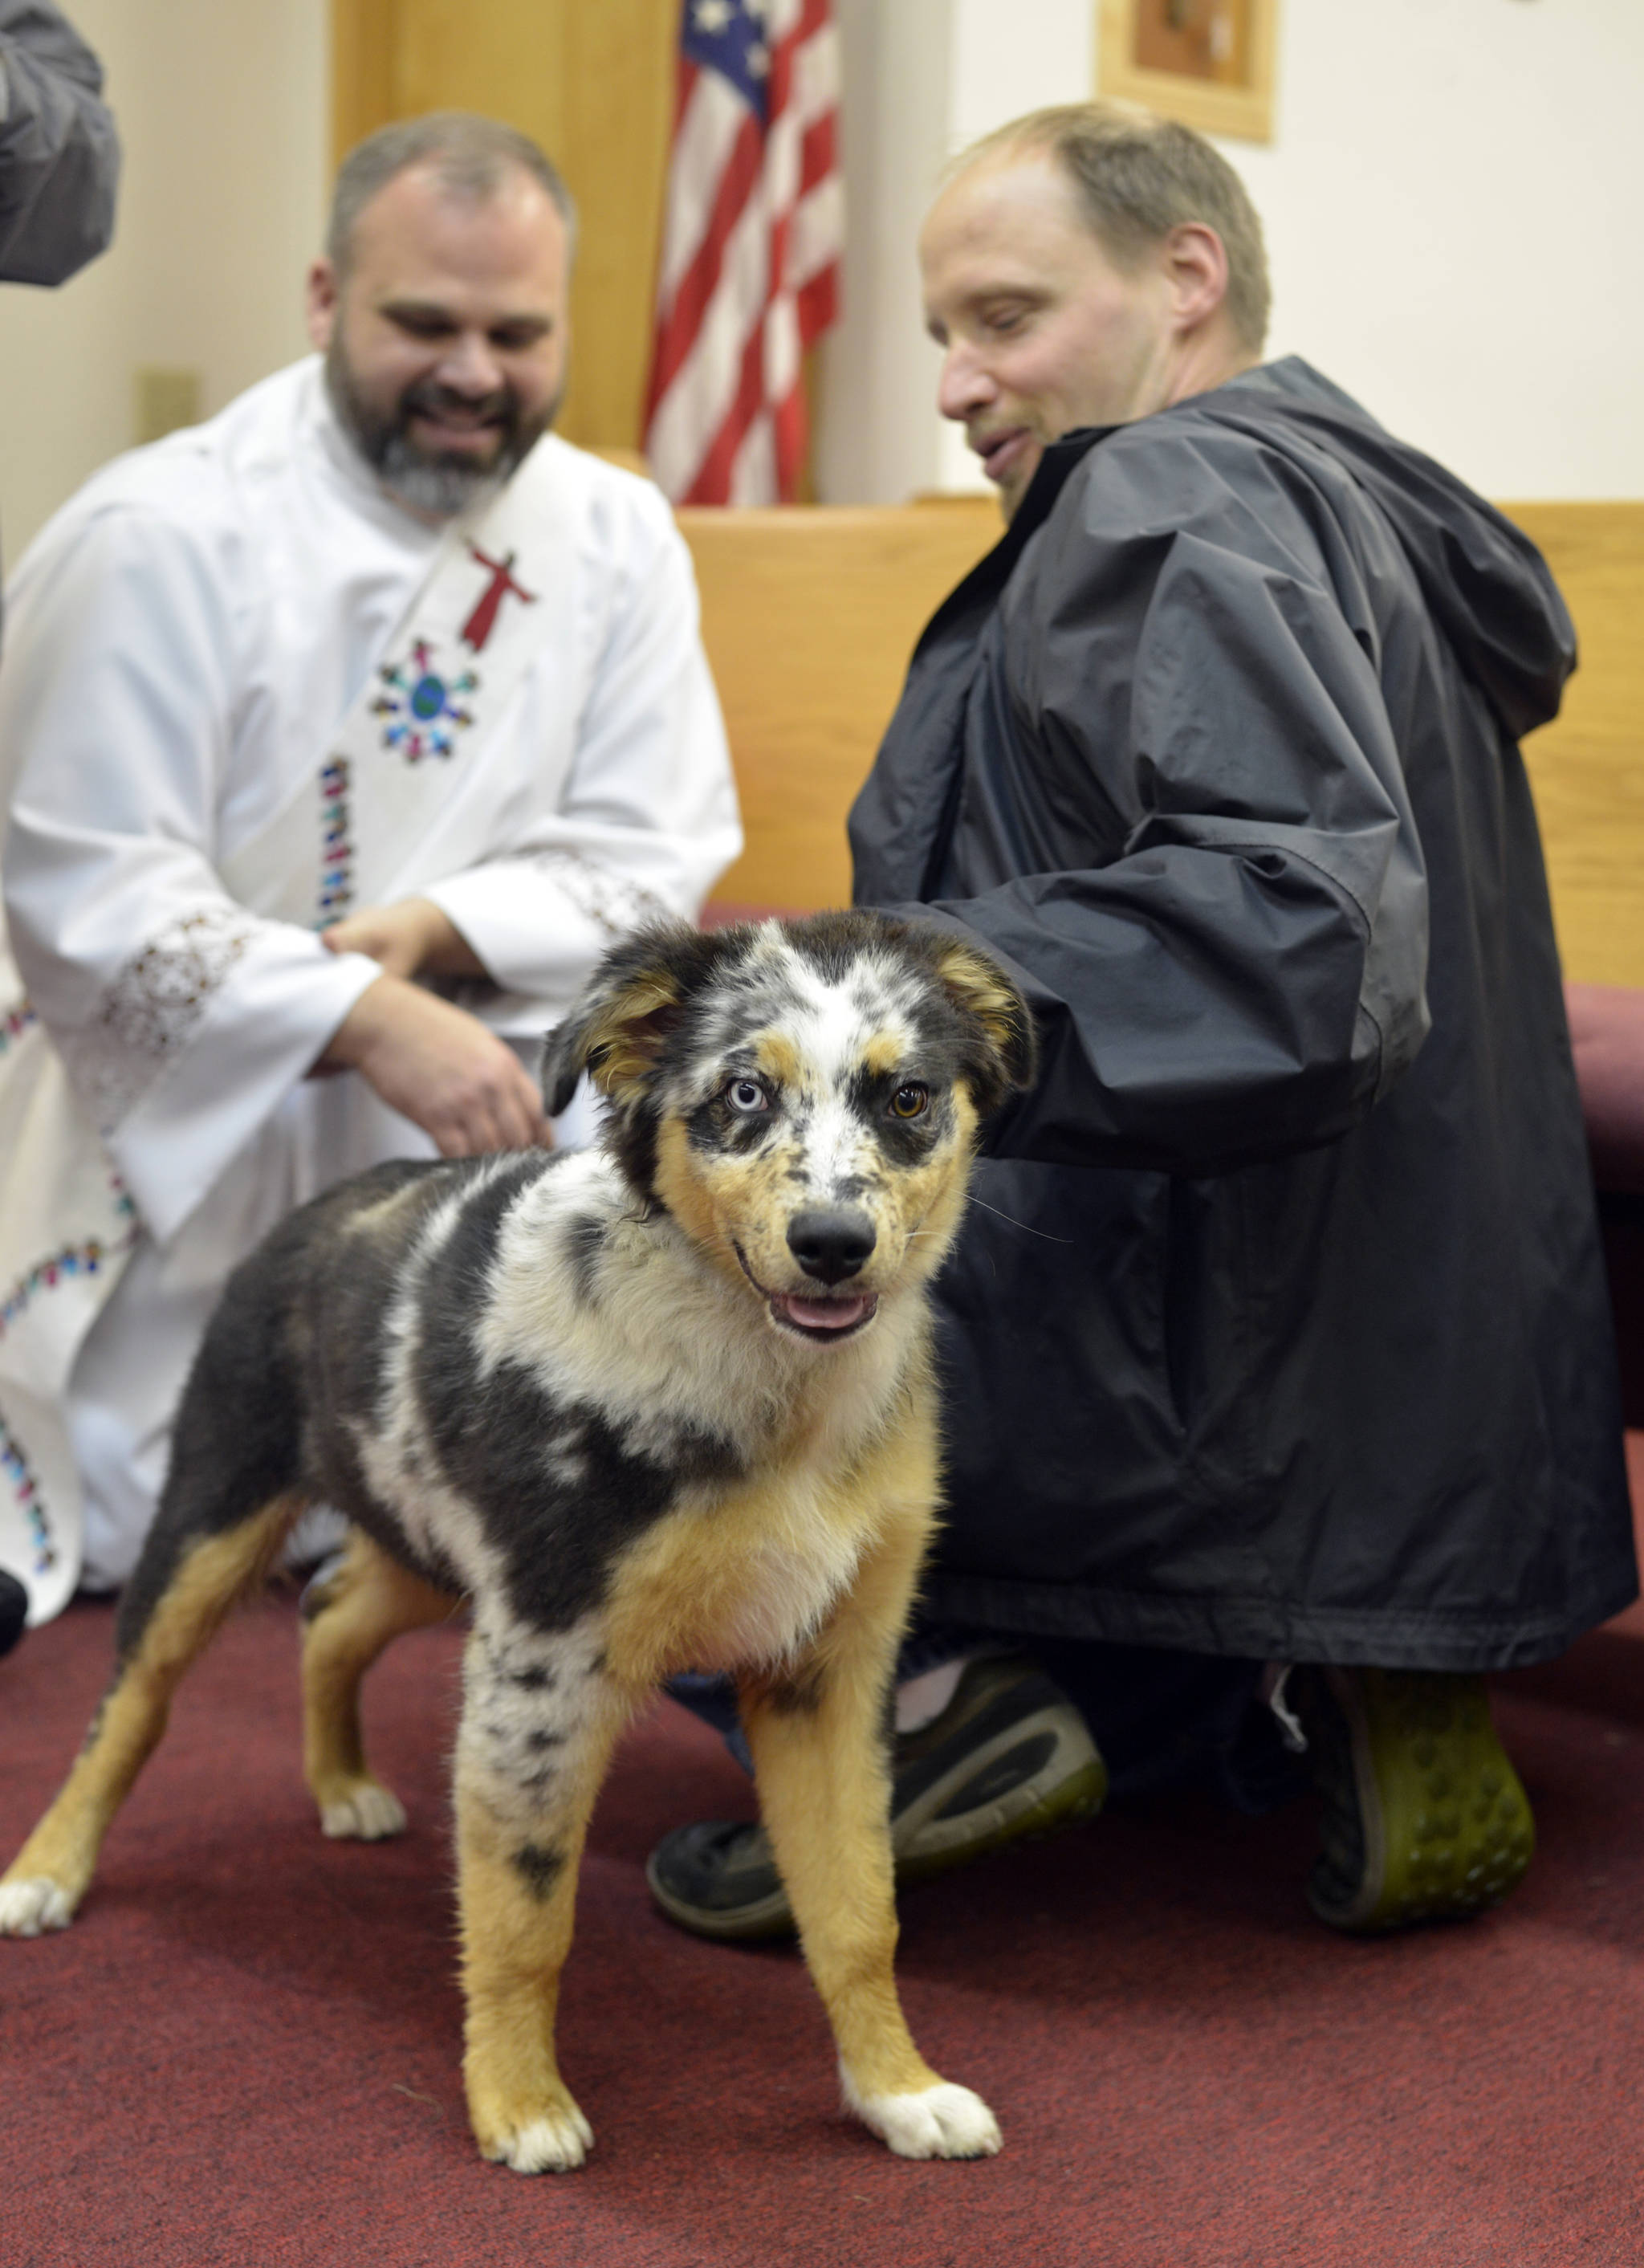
(1485, 582)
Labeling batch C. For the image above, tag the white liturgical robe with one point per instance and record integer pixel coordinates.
(226, 715)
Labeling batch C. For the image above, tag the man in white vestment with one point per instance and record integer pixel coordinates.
(340, 736)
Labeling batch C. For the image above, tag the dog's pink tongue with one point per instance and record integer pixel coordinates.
(826, 1314)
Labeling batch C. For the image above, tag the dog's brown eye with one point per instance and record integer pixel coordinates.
(748, 1096)
(908, 1102)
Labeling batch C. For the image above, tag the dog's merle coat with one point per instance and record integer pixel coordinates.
(663, 1404)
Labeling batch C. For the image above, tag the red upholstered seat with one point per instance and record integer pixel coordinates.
(1607, 1033)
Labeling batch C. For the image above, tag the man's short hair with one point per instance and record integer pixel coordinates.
(1139, 176)
(469, 155)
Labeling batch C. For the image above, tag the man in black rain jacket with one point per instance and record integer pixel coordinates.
(1277, 1331)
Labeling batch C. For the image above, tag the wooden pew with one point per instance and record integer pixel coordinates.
(810, 614)
(1587, 765)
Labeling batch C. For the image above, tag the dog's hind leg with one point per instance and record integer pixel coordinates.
(181, 1592)
(538, 1724)
(817, 1733)
(353, 1614)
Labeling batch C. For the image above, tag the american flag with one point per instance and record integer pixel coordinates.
(750, 248)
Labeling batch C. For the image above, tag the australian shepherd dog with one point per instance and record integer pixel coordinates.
(661, 1404)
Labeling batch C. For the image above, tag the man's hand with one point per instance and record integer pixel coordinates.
(410, 939)
(442, 1067)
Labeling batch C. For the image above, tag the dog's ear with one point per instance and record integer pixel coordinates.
(634, 1000)
(1008, 1053)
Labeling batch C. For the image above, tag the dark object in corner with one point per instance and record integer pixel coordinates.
(1607, 1037)
(13, 1610)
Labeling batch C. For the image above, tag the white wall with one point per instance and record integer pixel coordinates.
(876, 374)
(1451, 206)
(222, 106)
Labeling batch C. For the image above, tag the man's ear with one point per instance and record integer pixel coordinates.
(1195, 262)
(321, 302)
(635, 999)
(1005, 1054)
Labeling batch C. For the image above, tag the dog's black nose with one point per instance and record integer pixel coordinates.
(831, 1241)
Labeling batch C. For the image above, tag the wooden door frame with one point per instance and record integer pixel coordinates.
(362, 78)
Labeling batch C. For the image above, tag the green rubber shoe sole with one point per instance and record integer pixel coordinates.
(1424, 1818)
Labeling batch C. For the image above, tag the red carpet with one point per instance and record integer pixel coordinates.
(246, 2050)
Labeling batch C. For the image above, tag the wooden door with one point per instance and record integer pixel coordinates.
(592, 81)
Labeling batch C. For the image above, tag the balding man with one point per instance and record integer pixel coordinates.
(1278, 1334)
(342, 734)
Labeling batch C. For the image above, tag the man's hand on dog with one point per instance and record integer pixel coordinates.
(442, 1068)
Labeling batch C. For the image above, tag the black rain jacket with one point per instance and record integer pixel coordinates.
(59, 156)
(1278, 1327)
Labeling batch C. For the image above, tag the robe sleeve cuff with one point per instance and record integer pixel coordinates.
(538, 925)
(255, 1040)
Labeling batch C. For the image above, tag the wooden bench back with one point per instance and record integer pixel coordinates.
(1587, 765)
(809, 616)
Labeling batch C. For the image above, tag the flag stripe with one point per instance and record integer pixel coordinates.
(815, 231)
(708, 378)
(748, 276)
(713, 119)
(711, 483)
(738, 184)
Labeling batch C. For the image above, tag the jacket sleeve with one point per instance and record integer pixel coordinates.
(1246, 976)
(59, 157)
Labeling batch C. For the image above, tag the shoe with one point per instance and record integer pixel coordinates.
(1424, 1819)
(316, 1539)
(1009, 1756)
(321, 1587)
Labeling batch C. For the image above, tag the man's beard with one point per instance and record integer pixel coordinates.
(439, 483)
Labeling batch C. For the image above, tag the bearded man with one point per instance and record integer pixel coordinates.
(342, 735)
(1277, 1334)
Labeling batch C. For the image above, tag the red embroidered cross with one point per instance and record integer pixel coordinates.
(483, 621)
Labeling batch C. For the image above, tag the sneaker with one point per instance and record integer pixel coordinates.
(316, 1540)
(320, 1587)
(1424, 1819)
(1008, 1757)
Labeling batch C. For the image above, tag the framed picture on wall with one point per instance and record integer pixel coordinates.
(1208, 63)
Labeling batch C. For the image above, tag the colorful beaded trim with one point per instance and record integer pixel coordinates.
(74, 1260)
(337, 845)
(15, 1467)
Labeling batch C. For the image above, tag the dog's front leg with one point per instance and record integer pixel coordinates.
(818, 1743)
(535, 1738)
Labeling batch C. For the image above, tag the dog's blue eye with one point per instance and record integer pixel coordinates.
(748, 1096)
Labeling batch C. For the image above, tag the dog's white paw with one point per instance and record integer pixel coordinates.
(938, 2122)
(29, 1908)
(367, 1813)
(556, 2143)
